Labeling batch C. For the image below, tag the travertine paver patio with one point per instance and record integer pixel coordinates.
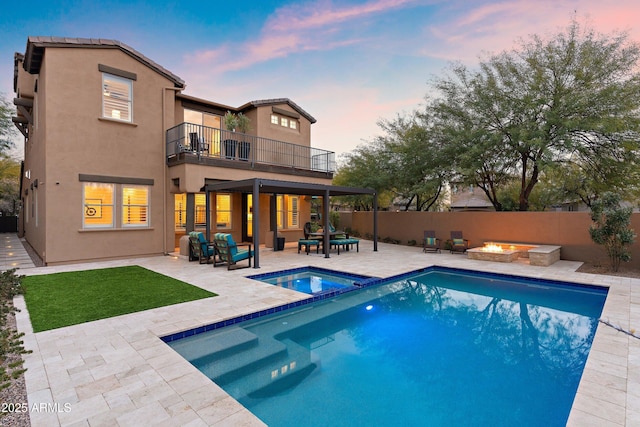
(118, 372)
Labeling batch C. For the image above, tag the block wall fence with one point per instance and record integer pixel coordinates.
(567, 229)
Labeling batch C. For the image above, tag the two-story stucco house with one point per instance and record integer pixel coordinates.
(117, 158)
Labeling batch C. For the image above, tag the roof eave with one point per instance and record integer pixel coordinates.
(37, 45)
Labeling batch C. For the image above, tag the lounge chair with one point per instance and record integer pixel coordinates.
(228, 251)
(200, 248)
(430, 243)
(458, 243)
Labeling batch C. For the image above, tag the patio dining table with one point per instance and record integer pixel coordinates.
(332, 235)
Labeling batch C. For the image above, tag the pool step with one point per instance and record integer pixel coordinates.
(248, 367)
(276, 377)
(225, 369)
(224, 343)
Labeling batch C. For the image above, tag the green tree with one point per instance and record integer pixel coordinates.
(611, 228)
(9, 185)
(405, 161)
(416, 170)
(364, 167)
(572, 98)
(7, 128)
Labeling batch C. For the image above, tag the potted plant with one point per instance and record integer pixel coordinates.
(230, 123)
(243, 124)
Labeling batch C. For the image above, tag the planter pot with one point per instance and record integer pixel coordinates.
(230, 148)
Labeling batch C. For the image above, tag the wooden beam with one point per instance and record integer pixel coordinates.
(25, 113)
(21, 127)
(25, 102)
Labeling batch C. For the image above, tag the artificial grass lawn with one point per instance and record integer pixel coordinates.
(64, 299)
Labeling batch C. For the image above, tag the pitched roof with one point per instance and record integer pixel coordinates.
(37, 44)
(276, 101)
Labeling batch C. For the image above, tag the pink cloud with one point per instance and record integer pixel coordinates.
(498, 26)
(314, 15)
(299, 28)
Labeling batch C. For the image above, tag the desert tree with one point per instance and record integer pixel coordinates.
(575, 95)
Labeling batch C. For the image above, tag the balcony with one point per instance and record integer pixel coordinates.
(191, 143)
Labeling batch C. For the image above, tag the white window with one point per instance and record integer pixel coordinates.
(200, 214)
(117, 97)
(98, 205)
(280, 211)
(275, 119)
(288, 207)
(223, 211)
(135, 206)
(293, 212)
(293, 124)
(201, 210)
(180, 201)
(107, 205)
(284, 122)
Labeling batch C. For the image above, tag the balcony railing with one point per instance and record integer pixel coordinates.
(203, 141)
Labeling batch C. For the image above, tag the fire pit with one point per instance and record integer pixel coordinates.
(493, 252)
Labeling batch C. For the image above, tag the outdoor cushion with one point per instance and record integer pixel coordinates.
(308, 243)
(458, 242)
(228, 249)
(431, 240)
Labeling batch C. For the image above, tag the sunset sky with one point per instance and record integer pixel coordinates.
(348, 63)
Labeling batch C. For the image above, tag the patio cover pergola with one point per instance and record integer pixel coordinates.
(255, 186)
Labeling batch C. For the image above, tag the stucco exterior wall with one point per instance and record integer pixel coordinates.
(261, 120)
(70, 143)
(567, 229)
(80, 141)
(33, 215)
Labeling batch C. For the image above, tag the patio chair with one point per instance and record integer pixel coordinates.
(430, 243)
(307, 230)
(200, 248)
(337, 234)
(228, 252)
(458, 243)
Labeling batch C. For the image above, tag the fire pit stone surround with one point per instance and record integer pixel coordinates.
(540, 255)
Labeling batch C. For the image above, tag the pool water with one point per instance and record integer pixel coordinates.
(436, 348)
(311, 280)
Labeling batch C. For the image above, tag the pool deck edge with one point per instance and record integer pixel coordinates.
(118, 371)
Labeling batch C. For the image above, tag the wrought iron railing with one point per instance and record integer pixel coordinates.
(204, 141)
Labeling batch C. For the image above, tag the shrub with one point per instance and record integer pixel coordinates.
(334, 218)
(611, 228)
(11, 345)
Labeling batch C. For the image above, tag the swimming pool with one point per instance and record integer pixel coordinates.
(434, 347)
(312, 280)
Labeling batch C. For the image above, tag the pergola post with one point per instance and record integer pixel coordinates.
(327, 237)
(256, 223)
(255, 186)
(191, 212)
(207, 209)
(273, 220)
(375, 222)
